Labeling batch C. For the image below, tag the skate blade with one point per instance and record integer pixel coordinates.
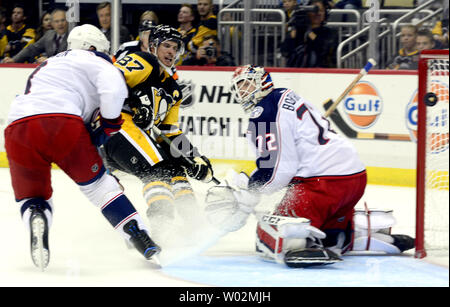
(39, 254)
(155, 262)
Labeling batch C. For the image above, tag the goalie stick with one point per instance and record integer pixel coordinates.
(333, 113)
(371, 63)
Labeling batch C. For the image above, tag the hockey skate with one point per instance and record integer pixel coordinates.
(40, 253)
(141, 240)
(403, 242)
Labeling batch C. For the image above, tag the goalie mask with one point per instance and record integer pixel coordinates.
(160, 35)
(249, 85)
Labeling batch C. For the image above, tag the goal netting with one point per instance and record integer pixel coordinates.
(432, 154)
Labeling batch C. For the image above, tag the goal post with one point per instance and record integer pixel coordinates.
(432, 200)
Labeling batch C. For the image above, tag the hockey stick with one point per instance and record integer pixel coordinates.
(158, 132)
(361, 74)
(353, 134)
(348, 131)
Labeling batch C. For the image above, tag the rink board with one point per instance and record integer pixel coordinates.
(216, 124)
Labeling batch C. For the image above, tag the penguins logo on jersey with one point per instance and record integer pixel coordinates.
(162, 102)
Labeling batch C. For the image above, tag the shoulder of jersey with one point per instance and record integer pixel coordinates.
(267, 109)
(148, 57)
(129, 44)
(138, 67)
(264, 111)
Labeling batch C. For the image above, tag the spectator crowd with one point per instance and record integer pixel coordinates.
(309, 42)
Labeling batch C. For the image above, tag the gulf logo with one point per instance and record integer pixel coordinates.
(363, 105)
(438, 117)
(412, 116)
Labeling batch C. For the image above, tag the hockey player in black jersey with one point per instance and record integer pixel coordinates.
(154, 101)
(142, 45)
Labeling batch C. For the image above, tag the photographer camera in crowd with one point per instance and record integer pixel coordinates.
(309, 42)
(210, 54)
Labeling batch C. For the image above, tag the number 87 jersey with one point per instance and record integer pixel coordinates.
(292, 139)
(142, 73)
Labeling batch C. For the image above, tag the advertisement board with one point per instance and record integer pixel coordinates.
(379, 115)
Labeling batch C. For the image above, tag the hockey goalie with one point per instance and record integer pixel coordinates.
(315, 222)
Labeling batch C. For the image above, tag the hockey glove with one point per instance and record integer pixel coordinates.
(102, 129)
(201, 169)
(111, 126)
(142, 110)
(143, 117)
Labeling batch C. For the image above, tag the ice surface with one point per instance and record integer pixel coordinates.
(86, 251)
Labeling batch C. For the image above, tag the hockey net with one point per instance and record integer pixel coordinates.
(432, 198)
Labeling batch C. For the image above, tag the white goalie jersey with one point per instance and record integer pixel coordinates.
(292, 139)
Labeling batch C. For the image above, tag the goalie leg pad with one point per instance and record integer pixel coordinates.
(371, 221)
(377, 242)
(279, 235)
(383, 244)
(373, 233)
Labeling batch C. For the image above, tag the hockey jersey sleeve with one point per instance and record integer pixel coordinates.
(135, 68)
(111, 87)
(272, 135)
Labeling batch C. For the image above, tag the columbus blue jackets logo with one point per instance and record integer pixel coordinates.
(257, 112)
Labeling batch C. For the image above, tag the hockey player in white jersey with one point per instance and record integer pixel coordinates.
(296, 149)
(47, 124)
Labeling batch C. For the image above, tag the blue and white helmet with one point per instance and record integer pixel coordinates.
(250, 84)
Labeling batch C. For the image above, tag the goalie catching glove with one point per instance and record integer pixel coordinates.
(228, 209)
(201, 169)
